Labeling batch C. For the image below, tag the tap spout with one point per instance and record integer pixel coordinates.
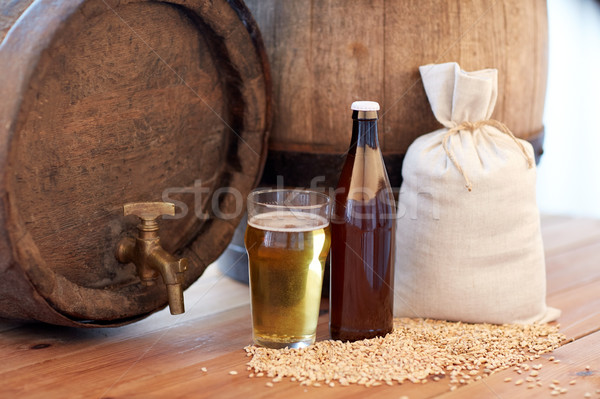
(171, 270)
(152, 260)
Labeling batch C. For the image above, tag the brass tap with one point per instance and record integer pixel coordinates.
(149, 256)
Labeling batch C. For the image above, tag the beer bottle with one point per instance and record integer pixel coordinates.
(362, 237)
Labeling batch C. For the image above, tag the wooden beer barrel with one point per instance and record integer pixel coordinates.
(105, 102)
(326, 54)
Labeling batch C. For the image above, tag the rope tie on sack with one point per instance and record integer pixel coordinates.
(472, 126)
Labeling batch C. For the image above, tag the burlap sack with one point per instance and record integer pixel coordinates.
(468, 240)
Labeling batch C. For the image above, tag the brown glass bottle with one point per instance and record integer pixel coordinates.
(362, 237)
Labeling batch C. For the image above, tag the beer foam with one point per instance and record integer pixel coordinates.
(288, 221)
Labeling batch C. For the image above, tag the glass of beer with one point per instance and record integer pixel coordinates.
(287, 240)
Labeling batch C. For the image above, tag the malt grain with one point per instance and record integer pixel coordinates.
(417, 351)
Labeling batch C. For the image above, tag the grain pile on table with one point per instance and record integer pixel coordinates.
(416, 350)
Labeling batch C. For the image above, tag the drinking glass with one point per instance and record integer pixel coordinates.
(287, 240)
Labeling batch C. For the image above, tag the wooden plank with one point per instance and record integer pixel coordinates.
(574, 357)
(573, 268)
(294, 110)
(210, 295)
(576, 322)
(562, 235)
(578, 319)
(217, 382)
(346, 54)
(90, 371)
(146, 379)
(580, 309)
(162, 356)
(404, 92)
(372, 50)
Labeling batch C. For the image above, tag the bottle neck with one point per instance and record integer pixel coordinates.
(364, 133)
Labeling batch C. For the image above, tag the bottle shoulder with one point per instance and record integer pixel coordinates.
(364, 174)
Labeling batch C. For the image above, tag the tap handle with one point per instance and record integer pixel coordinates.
(148, 211)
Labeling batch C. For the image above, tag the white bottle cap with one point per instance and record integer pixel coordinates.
(365, 106)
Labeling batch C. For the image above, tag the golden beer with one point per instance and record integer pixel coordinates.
(287, 253)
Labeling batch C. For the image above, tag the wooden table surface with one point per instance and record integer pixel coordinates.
(163, 355)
